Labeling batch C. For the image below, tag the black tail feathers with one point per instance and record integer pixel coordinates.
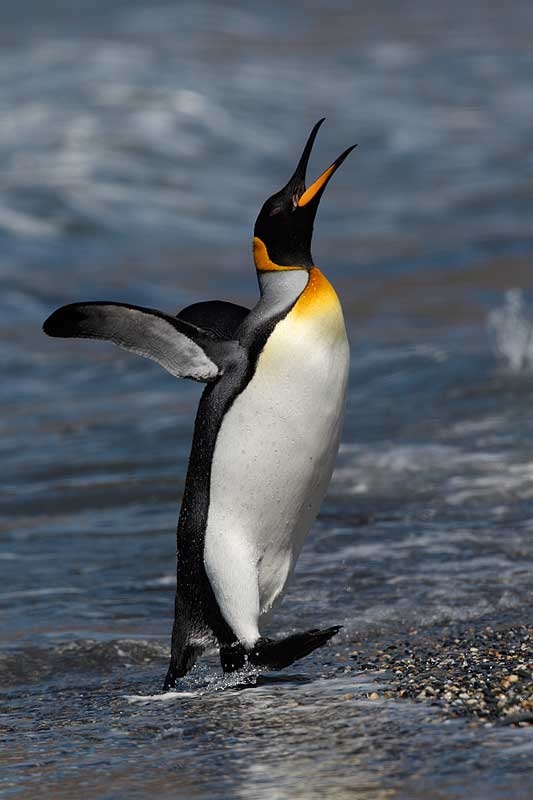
(276, 654)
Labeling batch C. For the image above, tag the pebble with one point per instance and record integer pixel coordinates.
(485, 672)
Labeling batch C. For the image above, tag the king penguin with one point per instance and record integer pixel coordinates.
(266, 433)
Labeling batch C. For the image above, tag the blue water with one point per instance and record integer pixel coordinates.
(137, 144)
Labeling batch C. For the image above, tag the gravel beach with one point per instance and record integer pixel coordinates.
(479, 670)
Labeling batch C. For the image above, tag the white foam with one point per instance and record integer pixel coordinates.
(512, 327)
(52, 590)
(162, 697)
(462, 474)
(21, 224)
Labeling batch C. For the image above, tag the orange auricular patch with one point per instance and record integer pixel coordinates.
(262, 260)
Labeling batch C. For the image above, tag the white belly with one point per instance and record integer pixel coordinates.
(273, 460)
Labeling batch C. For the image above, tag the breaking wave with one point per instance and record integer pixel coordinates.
(511, 325)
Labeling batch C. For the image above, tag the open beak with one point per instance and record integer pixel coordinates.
(316, 188)
(301, 196)
(296, 185)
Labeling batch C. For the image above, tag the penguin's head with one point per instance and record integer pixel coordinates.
(284, 227)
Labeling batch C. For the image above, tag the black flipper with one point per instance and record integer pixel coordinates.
(183, 349)
(276, 654)
(218, 317)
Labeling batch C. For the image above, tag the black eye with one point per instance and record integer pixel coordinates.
(273, 211)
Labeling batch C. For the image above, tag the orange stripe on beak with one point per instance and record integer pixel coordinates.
(320, 184)
(316, 186)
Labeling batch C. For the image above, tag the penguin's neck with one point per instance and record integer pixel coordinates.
(280, 286)
(280, 290)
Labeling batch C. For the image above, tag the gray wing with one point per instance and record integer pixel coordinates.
(182, 348)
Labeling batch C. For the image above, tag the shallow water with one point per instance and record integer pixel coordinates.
(137, 146)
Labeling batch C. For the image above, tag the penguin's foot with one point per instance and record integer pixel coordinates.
(278, 654)
(232, 657)
(275, 654)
